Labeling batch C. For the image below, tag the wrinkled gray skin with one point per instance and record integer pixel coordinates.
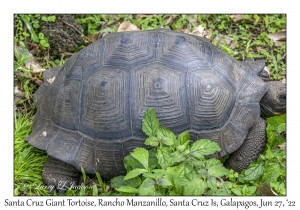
(274, 101)
(272, 104)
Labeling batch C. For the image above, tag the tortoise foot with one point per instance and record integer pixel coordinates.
(60, 176)
(250, 150)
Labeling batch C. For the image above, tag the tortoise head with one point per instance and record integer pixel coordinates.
(274, 101)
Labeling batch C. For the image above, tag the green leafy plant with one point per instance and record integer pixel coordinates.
(43, 40)
(91, 23)
(32, 25)
(173, 167)
(27, 21)
(152, 22)
(21, 57)
(50, 18)
(28, 161)
(270, 168)
(23, 74)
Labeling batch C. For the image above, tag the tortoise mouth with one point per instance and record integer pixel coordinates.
(275, 110)
(274, 102)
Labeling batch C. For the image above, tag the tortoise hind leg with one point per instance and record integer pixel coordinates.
(250, 150)
(59, 175)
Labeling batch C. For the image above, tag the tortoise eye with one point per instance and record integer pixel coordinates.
(282, 97)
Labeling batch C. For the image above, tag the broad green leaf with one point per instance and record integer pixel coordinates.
(218, 171)
(160, 171)
(268, 154)
(203, 172)
(282, 191)
(193, 174)
(228, 184)
(212, 161)
(147, 187)
(237, 191)
(44, 18)
(41, 35)
(131, 163)
(186, 151)
(176, 171)
(151, 175)
(212, 183)
(217, 192)
(274, 138)
(276, 125)
(183, 147)
(254, 171)
(196, 186)
(271, 172)
(152, 141)
(26, 34)
(168, 141)
(189, 166)
(142, 155)
(205, 147)
(197, 154)
(177, 157)
(174, 193)
(44, 43)
(281, 128)
(181, 181)
(16, 191)
(134, 182)
(36, 25)
(279, 154)
(150, 123)
(183, 138)
(164, 156)
(164, 182)
(134, 173)
(51, 18)
(119, 181)
(153, 162)
(218, 188)
(166, 136)
(271, 135)
(127, 189)
(279, 188)
(248, 190)
(164, 173)
(276, 120)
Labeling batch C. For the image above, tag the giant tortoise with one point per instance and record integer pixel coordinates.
(89, 110)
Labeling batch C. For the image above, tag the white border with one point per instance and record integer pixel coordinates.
(8, 8)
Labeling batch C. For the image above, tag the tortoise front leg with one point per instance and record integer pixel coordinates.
(59, 175)
(250, 150)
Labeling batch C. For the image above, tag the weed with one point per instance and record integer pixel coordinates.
(173, 166)
(28, 161)
(270, 167)
(33, 20)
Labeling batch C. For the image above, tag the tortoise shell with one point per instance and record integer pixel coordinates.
(89, 111)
